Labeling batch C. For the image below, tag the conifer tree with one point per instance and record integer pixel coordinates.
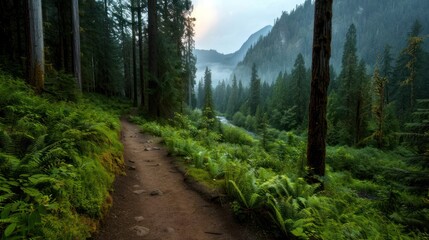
(362, 103)
(231, 108)
(299, 90)
(200, 99)
(208, 111)
(378, 107)
(347, 80)
(255, 88)
(352, 108)
(386, 71)
(410, 82)
(278, 102)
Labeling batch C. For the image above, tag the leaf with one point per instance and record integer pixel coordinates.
(9, 230)
(33, 219)
(5, 213)
(298, 232)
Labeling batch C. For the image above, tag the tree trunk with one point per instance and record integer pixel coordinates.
(142, 82)
(36, 64)
(133, 39)
(153, 102)
(76, 44)
(317, 126)
(125, 57)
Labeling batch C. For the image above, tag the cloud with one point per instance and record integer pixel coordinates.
(224, 25)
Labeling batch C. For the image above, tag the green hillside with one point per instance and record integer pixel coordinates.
(377, 22)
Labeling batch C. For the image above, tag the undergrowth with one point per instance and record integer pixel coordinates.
(57, 163)
(362, 200)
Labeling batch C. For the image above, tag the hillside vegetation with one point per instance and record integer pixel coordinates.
(370, 194)
(58, 160)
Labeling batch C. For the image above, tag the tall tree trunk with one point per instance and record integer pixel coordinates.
(125, 55)
(142, 82)
(153, 104)
(317, 123)
(76, 44)
(133, 39)
(36, 64)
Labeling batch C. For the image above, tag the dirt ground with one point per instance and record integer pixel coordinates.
(154, 202)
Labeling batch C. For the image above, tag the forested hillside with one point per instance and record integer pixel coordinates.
(221, 64)
(378, 23)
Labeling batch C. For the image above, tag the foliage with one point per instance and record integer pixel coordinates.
(362, 197)
(62, 87)
(57, 164)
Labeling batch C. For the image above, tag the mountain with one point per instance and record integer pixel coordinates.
(378, 23)
(222, 65)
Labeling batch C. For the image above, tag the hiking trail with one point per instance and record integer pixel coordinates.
(154, 202)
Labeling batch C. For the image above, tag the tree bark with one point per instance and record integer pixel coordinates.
(36, 64)
(317, 126)
(76, 44)
(153, 102)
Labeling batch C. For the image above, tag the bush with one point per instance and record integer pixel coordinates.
(234, 135)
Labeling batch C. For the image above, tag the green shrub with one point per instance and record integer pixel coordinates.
(234, 135)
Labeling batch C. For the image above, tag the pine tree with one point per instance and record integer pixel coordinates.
(362, 104)
(347, 80)
(299, 90)
(351, 111)
(233, 100)
(255, 88)
(208, 110)
(386, 71)
(410, 82)
(278, 102)
(200, 99)
(241, 94)
(414, 52)
(379, 105)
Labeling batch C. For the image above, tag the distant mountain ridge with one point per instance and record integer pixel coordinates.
(222, 65)
(377, 22)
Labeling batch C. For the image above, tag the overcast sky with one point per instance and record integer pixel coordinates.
(224, 25)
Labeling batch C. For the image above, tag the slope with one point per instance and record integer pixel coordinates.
(378, 23)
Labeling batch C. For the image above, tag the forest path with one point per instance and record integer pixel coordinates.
(153, 202)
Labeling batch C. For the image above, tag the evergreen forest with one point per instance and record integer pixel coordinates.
(325, 140)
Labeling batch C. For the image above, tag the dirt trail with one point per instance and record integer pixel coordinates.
(153, 202)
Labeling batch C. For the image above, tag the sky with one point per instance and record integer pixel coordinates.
(224, 25)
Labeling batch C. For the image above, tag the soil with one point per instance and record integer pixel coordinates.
(154, 202)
